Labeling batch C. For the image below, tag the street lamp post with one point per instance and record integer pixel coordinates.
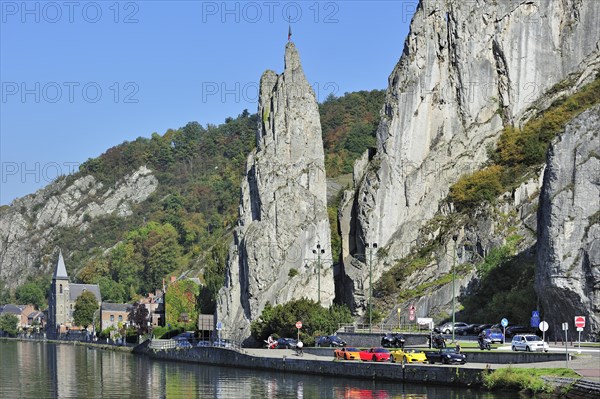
(454, 238)
(371, 247)
(319, 252)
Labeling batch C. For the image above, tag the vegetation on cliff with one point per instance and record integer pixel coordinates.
(519, 153)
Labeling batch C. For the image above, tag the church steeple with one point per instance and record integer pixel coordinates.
(61, 271)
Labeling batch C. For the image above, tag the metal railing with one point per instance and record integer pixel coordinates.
(162, 344)
(165, 344)
(382, 328)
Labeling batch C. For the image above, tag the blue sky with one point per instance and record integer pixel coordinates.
(78, 77)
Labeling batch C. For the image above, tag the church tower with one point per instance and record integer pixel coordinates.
(59, 300)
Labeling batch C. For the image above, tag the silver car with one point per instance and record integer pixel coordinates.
(529, 343)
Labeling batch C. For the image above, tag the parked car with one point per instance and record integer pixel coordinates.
(511, 331)
(182, 344)
(408, 356)
(494, 335)
(466, 330)
(188, 335)
(446, 356)
(203, 344)
(529, 343)
(393, 340)
(286, 343)
(447, 327)
(330, 340)
(375, 355)
(347, 353)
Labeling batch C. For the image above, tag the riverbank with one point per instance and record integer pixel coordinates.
(95, 345)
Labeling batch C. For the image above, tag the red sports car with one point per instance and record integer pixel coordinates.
(375, 354)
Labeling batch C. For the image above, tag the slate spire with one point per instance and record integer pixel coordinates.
(61, 271)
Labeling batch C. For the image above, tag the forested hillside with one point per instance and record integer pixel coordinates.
(185, 225)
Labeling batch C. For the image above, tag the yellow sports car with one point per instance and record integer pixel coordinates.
(408, 356)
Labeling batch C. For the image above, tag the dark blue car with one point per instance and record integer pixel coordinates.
(494, 335)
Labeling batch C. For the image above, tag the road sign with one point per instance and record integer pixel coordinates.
(543, 326)
(580, 329)
(579, 321)
(535, 313)
(535, 321)
(504, 322)
(298, 324)
(219, 325)
(411, 313)
(565, 326)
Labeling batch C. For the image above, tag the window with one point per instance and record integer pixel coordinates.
(60, 288)
(120, 318)
(112, 318)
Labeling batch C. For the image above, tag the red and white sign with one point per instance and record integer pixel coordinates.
(411, 313)
(579, 321)
(298, 325)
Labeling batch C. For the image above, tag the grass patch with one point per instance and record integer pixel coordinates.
(525, 379)
(461, 271)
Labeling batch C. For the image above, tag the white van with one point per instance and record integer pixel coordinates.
(529, 343)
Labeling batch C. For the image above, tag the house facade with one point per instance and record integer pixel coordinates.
(114, 315)
(22, 312)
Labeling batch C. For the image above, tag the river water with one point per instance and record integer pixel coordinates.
(44, 370)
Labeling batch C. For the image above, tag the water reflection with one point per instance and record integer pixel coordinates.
(32, 369)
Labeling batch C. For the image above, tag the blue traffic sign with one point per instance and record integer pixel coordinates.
(535, 313)
(535, 321)
(504, 322)
(219, 325)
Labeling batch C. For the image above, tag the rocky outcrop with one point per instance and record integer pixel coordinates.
(30, 223)
(568, 267)
(467, 70)
(283, 207)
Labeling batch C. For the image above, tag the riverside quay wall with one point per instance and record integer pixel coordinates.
(444, 375)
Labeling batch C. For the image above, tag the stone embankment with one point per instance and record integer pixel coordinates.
(445, 375)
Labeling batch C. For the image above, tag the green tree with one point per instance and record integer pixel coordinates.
(8, 324)
(31, 293)
(126, 264)
(214, 277)
(111, 290)
(95, 267)
(280, 320)
(85, 307)
(181, 304)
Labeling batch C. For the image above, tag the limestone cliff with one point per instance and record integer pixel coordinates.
(467, 70)
(568, 268)
(283, 207)
(29, 224)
